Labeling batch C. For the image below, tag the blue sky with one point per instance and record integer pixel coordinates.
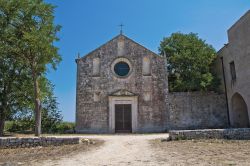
(86, 24)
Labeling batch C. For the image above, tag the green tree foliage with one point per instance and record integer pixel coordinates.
(51, 116)
(65, 127)
(23, 120)
(29, 34)
(14, 79)
(10, 95)
(189, 62)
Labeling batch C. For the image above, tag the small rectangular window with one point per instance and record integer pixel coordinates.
(232, 70)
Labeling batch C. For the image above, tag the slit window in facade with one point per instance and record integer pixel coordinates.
(232, 70)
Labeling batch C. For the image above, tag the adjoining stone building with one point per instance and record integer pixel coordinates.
(233, 67)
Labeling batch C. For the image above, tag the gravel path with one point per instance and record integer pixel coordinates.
(117, 150)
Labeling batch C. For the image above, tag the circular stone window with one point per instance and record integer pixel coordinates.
(121, 67)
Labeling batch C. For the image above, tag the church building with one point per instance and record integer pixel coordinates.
(121, 87)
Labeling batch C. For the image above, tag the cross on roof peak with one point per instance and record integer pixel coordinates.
(121, 25)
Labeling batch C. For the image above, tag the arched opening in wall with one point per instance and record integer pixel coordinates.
(239, 114)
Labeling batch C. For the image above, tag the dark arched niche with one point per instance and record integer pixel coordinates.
(239, 114)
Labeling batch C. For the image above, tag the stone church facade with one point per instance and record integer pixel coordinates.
(121, 87)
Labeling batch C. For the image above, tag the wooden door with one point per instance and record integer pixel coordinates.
(123, 119)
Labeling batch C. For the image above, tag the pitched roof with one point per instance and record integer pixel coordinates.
(120, 35)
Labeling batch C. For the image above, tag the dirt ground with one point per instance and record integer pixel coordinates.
(118, 150)
(135, 149)
(202, 152)
(32, 156)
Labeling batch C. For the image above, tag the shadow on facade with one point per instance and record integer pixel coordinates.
(239, 113)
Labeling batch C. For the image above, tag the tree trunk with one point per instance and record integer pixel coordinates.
(37, 107)
(2, 120)
(3, 110)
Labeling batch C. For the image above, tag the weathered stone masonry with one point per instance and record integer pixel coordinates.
(197, 110)
(13, 142)
(93, 90)
(237, 133)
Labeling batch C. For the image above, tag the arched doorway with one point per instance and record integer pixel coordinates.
(239, 113)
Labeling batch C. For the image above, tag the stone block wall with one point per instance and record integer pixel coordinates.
(197, 110)
(238, 134)
(13, 142)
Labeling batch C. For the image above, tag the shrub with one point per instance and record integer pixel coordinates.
(65, 127)
(24, 126)
(18, 126)
(8, 125)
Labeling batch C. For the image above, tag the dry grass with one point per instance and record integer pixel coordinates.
(202, 152)
(27, 156)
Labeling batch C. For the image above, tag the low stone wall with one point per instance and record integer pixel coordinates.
(197, 110)
(13, 142)
(239, 133)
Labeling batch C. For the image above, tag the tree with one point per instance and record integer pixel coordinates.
(36, 36)
(189, 62)
(13, 82)
(13, 75)
(23, 120)
(26, 49)
(51, 116)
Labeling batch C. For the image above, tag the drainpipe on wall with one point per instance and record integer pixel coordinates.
(166, 122)
(225, 87)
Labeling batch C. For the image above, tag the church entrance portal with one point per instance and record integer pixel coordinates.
(123, 119)
(123, 110)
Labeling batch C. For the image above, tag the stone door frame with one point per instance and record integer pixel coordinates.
(133, 100)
